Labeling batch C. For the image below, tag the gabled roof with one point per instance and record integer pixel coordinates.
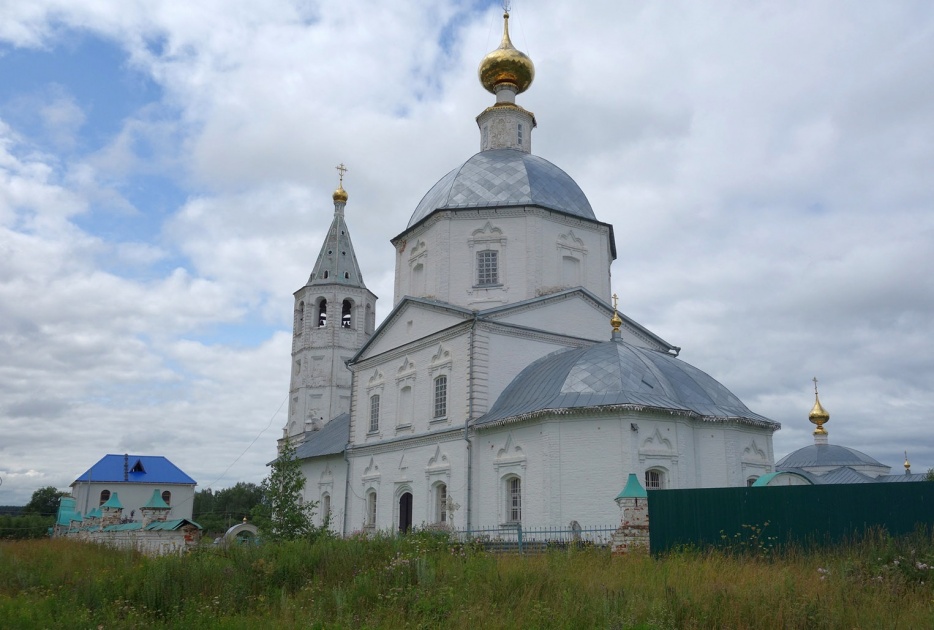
(405, 303)
(331, 439)
(139, 469)
(497, 313)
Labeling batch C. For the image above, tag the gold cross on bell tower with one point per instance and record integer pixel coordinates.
(341, 169)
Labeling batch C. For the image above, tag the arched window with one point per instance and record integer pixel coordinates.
(371, 509)
(441, 503)
(326, 274)
(105, 497)
(322, 313)
(347, 314)
(751, 481)
(654, 479)
(441, 397)
(370, 319)
(167, 497)
(513, 500)
(374, 413)
(300, 319)
(325, 508)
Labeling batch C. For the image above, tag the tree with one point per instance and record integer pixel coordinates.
(217, 511)
(45, 501)
(930, 475)
(282, 515)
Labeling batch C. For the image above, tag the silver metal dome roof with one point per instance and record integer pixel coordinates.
(505, 177)
(616, 374)
(826, 455)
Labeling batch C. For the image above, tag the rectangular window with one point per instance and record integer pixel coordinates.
(441, 397)
(374, 413)
(487, 267)
(514, 505)
(520, 134)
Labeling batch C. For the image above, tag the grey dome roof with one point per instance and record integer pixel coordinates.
(617, 374)
(826, 455)
(505, 177)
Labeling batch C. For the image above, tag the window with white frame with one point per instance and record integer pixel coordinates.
(514, 499)
(751, 481)
(487, 267)
(441, 503)
(371, 509)
(654, 479)
(441, 397)
(374, 413)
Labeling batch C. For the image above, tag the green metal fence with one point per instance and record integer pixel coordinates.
(774, 516)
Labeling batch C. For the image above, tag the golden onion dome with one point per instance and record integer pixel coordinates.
(340, 195)
(506, 65)
(818, 416)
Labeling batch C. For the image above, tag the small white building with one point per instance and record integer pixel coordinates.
(134, 477)
(503, 388)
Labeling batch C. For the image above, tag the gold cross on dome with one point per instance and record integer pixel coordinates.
(815, 385)
(341, 169)
(615, 301)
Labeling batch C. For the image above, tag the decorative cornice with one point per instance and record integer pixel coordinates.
(606, 409)
(448, 435)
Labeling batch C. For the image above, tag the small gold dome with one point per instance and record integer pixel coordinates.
(818, 416)
(340, 195)
(506, 65)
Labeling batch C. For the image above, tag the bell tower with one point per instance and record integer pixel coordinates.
(334, 316)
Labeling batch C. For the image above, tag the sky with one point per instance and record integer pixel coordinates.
(166, 171)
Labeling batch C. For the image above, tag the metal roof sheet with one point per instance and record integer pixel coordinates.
(826, 455)
(505, 177)
(614, 373)
(331, 439)
(140, 469)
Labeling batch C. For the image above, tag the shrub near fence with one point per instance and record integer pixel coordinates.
(774, 516)
(29, 526)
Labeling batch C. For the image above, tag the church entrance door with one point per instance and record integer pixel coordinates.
(405, 512)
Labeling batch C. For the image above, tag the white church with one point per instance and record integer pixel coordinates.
(503, 387)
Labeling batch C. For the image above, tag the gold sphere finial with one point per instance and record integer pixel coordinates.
(818, 415)
(616, 321)
(340, 195)
(506, 65)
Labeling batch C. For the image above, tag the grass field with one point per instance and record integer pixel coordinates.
(424, 581)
